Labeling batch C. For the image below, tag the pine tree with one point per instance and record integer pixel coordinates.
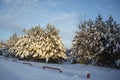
(12, 40)
(1, 44)
(40, 44)
(97, 42)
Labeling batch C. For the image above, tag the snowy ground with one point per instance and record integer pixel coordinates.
(10, 70)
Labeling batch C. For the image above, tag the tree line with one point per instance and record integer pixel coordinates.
(96, 42)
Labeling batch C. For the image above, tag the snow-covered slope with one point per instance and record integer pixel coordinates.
(11, 70)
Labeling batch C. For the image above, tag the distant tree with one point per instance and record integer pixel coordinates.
(2, 44)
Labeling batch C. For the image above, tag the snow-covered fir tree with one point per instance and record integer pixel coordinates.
(39, 44)
(97, 42)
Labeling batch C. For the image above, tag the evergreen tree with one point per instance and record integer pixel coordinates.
(97, 42)
(12, 40)
(40, 44)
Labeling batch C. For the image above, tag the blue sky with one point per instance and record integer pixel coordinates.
(64, 14)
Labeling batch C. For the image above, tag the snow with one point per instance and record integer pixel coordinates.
(11, 70)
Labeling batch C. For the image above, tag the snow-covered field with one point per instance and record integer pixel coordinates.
(11, 70)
